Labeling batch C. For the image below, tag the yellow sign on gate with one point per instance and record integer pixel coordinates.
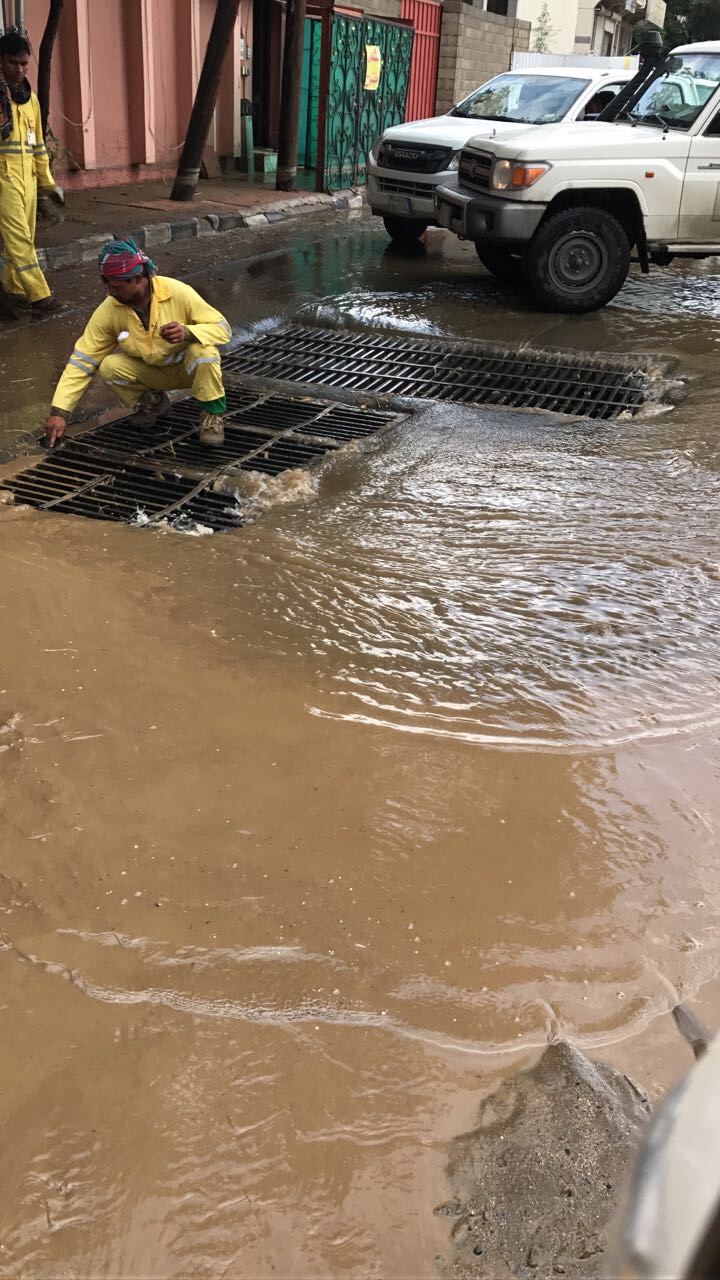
(373, 66)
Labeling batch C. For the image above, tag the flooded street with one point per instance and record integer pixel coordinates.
(315, 830)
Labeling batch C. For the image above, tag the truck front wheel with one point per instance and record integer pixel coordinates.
(405, 230)
(504, 263)
(577, 260)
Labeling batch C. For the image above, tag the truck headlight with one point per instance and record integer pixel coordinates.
(453, 165)
(509, 175)
(375, 150)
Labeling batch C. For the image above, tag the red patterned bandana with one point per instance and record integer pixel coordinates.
(123, 260)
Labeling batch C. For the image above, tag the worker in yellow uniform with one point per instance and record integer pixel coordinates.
(152, 335)
(24, 166)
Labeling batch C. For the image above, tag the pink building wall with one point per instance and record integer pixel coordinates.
(124, 80)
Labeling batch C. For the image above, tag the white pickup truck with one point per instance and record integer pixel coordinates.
(564, 206)
(409, 160)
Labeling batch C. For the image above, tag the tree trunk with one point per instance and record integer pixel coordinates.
(290, 95)
(45, 59)
(188, 172)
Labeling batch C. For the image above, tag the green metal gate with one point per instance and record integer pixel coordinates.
(354, 116)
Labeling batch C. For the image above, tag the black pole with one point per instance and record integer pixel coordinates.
(188, 172)
(651, 66)
(290, 95)
(45, 59)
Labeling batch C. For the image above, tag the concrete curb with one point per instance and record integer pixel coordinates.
(86, 248)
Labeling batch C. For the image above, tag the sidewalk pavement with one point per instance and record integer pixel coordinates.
(145, 211)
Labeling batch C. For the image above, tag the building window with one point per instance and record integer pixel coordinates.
(498, 6)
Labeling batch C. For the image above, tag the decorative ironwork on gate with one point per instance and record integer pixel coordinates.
(355, 116)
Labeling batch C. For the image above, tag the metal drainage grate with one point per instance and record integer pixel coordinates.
(125, 473)
(556, 381)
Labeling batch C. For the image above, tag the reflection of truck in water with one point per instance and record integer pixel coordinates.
(562, 207)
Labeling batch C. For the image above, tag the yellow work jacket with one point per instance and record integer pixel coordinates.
(116, 325)
(23, 156)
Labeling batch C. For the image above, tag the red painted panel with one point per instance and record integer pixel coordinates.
(425, 16)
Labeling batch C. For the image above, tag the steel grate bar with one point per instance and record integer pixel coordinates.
(380, 365)
(117, 470)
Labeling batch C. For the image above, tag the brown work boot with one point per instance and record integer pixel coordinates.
(212, 429)
(46, 306)
(151, 406)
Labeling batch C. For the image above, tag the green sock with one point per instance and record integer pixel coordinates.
(214, 406)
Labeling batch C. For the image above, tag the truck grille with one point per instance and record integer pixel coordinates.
(397, 187)
(417, 158)
(474, 169)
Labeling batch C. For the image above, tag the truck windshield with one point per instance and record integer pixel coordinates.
(677, 97)
(522, 99)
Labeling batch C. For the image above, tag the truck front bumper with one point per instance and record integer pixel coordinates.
(479, 217)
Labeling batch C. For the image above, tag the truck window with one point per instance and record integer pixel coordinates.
(713, 129)
(523, 99)
(601, 99)
(668, 95)
(677, 97)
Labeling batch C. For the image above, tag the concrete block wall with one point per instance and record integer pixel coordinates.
(381, 8)
(473, 47)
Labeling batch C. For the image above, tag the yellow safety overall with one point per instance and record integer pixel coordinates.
(132, 359)
(24, 167)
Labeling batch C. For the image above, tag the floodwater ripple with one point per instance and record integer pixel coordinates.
(525, 583)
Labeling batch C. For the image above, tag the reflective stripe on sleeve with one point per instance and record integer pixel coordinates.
(81, 356)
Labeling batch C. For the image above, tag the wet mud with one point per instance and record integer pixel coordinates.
(317, 832)
(538, 1181)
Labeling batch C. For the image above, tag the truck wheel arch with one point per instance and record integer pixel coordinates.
(623, 202)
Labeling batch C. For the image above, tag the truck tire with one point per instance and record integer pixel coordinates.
(405, 230)
(577, 260)
(504, 263)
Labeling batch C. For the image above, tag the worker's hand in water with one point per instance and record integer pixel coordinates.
(54, 429)
(174, 332)
(57, 195)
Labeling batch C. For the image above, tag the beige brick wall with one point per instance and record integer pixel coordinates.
(473, 47)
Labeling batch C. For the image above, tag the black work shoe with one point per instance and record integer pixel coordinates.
(151, 406)
(8, 310)
(46, 306)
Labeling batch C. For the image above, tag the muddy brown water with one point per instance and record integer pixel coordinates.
(313, 831)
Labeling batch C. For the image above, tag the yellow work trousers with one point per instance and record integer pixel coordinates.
(194, 367)
(18, 213)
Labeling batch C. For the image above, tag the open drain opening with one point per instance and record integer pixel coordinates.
(560, 382)
(124, 473)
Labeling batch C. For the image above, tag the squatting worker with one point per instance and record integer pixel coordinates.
(24, 167)
(150, 336)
